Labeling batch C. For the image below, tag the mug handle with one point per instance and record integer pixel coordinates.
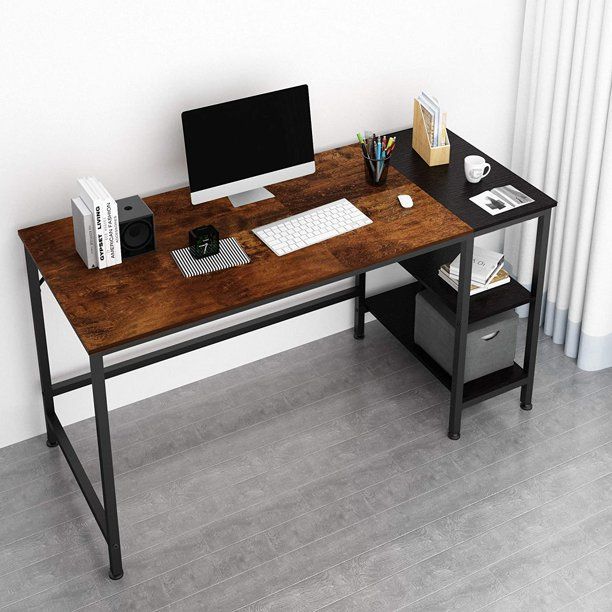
(487, 167)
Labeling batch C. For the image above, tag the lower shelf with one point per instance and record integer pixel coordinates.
(395, 310)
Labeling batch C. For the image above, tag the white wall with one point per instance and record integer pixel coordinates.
(98, 87)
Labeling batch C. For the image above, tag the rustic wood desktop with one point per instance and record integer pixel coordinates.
(147, 297)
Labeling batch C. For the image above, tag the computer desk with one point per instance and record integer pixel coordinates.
(146, 297)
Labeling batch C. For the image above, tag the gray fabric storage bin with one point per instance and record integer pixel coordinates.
(491, 343)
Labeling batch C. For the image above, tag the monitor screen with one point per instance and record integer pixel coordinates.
(245, 138)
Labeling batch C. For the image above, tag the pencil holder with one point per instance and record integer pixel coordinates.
(376, 170)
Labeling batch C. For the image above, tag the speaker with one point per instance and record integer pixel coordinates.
(136, 226)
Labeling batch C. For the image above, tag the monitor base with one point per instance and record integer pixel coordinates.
(250, 196)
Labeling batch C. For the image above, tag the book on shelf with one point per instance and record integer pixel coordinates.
(485, 264)
(501, 277)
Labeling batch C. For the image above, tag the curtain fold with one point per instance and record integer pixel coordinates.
(563, 145)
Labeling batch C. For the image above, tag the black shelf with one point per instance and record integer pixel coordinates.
(482, 305)
(395, 310)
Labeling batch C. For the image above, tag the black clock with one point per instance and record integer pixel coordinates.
(203, 241)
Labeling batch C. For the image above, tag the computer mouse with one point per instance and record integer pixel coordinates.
(405, 201)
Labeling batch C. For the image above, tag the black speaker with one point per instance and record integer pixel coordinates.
(136, 227)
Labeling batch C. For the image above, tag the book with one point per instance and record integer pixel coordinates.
(84, 236)
(455, 277)
(443, 133)
(429, 123)
(500, 278)
(89, 195)
(501, 199)
(111, 214)
(484, 265)
(100, 197)
(433, 108)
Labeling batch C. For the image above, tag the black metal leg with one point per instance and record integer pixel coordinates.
(41, 345)
(461, 328)
(360, 309)
(106, 466)
(535, 308)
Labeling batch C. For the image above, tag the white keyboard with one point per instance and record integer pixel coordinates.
(315, 225)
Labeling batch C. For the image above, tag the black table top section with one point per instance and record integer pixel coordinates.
(448, 185)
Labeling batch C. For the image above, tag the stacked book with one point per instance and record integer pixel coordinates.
(95, 220)
(487, 271)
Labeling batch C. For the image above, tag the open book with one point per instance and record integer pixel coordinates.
(501, 199)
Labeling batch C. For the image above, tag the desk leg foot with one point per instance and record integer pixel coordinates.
(453, 436)
(52, 443)
(115, 576)
(525, 406)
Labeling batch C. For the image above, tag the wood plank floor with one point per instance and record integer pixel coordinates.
(322, 479)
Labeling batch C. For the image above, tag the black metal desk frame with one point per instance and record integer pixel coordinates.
(105, 511)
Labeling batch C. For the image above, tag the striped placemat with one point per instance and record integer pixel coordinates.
(230, 255)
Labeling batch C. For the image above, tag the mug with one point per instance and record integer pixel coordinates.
(475, 168)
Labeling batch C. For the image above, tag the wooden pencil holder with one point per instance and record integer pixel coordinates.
(433, 156)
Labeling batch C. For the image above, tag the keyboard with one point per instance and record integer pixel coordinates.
(315, 225)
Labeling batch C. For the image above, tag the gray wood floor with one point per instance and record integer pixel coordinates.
(322, 478)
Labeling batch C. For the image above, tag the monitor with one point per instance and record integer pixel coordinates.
(236, 148)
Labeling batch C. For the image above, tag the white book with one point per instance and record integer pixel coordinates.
(95, 185)
(88, 194)
(484, 264)
(112, 218)
(431, 104)
(501, 278)
(455, 277)
(84, 235)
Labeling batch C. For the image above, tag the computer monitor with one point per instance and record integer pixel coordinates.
(236, 148)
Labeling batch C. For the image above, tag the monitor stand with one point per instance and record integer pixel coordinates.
(250, 196)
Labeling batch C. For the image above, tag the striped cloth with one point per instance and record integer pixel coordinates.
(230, 255)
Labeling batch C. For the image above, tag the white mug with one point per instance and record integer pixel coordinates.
(475, 168)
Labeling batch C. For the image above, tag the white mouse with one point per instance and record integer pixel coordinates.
(405, 201)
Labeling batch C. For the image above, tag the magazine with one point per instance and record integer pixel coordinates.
(501, 199)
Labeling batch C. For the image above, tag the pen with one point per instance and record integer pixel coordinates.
(362, 143)
(379, 162)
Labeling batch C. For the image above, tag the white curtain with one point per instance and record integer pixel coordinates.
(563, 145)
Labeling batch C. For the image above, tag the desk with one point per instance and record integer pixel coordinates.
(147, 297)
